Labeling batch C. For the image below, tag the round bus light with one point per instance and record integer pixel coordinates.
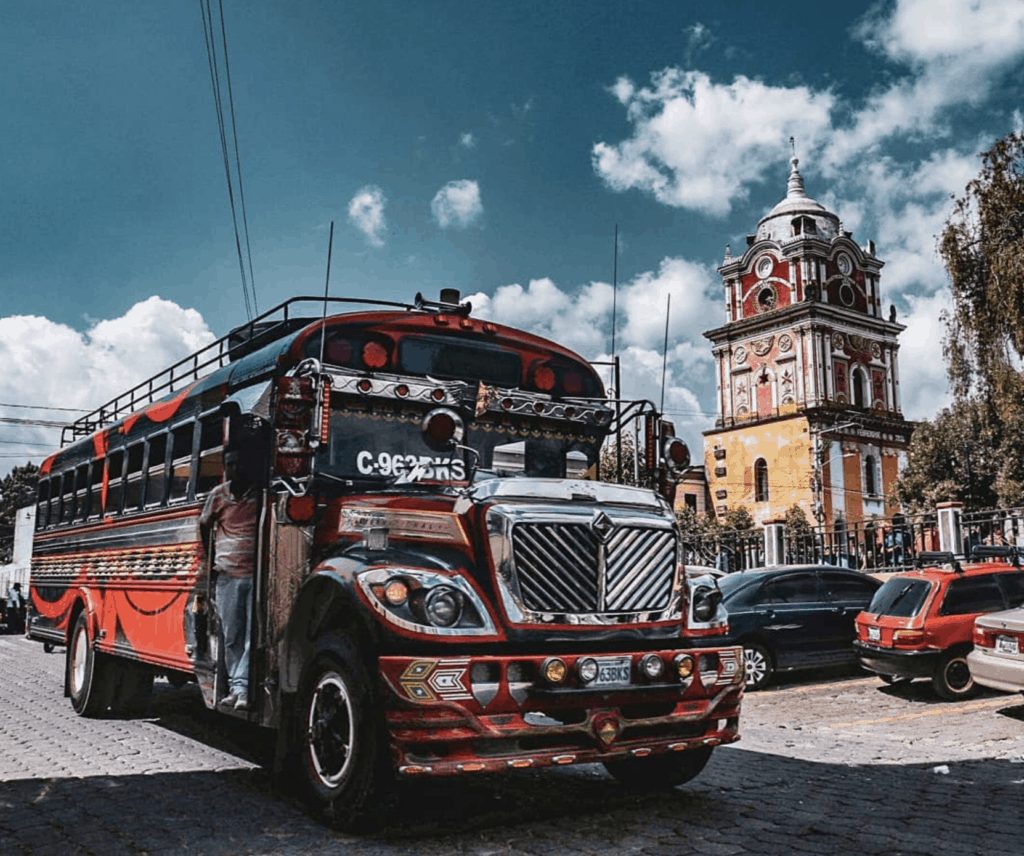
(365, 385)
(684, 665)
(553, 670)
(301, 509)
(587, 670)
(507, 403)
(652, 666)
(437, 394)
(443, 606)
(676, 455)
(544, 378)
(401, 390)
(375, 355)
(443, 428)
(396, 592)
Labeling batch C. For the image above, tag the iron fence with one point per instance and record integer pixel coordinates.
(879, 545)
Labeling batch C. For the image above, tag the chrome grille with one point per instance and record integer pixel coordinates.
(566, 568)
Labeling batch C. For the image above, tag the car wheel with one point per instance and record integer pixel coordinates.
(953, 679)
(757, 665)
(90, 678)
(660, 771)
(339, 748)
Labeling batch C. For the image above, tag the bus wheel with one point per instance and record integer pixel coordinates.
(90, 677)
(339, 747)
(660, 771)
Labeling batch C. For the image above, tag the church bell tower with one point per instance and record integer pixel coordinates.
(808, 391)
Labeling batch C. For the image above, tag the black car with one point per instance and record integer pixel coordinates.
(794, 616)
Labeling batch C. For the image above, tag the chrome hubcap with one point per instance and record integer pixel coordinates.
(329, 730)
(755, 665)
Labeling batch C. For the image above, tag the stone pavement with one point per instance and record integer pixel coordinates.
(183, 780)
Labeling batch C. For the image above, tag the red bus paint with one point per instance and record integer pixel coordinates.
(437, 590)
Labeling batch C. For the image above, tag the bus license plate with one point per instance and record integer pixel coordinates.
(1007, 645)
(613, 671)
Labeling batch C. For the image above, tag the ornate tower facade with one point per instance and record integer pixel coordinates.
(808, 391)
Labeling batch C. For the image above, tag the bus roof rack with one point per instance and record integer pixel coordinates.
(931, 558)
(273, 324)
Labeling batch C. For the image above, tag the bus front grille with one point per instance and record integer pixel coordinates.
(572, 568)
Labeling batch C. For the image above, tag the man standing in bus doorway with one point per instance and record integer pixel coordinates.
(228, 530)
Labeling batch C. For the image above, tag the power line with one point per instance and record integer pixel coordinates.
(45, 407)
(38, 423)
(209, 34)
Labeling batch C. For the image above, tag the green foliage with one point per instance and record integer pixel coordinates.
(610, 468)
(738, 518)
(796, 521)
(953, 458)
(17, 489)
(696, 527)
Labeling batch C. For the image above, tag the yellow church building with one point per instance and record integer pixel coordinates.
(808, 389)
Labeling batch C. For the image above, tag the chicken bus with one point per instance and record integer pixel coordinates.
(442, 586)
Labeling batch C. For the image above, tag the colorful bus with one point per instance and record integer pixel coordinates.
(437, 591)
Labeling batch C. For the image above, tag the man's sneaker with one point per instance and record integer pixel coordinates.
(242, 703)
(230, 700)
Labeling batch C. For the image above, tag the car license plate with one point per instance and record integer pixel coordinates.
(874, 634)
(1007, 645)
(613, 671)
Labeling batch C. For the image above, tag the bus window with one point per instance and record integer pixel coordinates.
(81, 492)
(43, 504)
(133, 479)
(211, 454)
(115, 481)
(181, 461)
(67, 496)
(155, 474)
(96, 490)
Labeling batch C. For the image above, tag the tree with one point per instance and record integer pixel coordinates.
(956, 457)
(17, 489)
(797, 523)
(609, 463)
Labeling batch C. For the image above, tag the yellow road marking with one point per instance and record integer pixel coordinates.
(809, 688)
(966, 708)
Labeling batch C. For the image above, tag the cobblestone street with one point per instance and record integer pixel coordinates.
(831, 764)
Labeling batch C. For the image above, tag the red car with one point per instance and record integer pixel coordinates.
(920, 624)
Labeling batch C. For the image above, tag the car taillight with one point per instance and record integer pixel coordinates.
(984, 638)
(907, 638)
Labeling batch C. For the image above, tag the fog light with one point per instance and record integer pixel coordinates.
(396, 592)
(684, 665)
(652, 666)
(587, 669)
(553, 670)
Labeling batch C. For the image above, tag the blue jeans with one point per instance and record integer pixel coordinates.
(234, 606)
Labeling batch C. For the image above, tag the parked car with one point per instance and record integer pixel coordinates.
(997, 660)
(920, 624)
(794, 616)
(707, 615)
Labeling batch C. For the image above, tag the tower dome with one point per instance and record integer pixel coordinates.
(797, 214)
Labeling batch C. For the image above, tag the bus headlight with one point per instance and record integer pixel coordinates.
(426, 601)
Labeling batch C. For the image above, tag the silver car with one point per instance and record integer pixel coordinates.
(997, 660)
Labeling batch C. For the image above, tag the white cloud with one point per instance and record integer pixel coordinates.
(924, 386)
(698, 144)
(366, 212)
(467, 140)
(53, 365)
(457, 204)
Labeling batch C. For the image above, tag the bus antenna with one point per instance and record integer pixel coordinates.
(327, 286)
(664, 358)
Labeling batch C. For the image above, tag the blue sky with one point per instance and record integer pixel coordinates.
(492, 147)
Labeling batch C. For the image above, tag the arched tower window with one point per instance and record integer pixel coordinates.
(870, 476)
(761, 480)
(857, 382)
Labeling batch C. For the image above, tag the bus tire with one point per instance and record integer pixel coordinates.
(90, 676)
(659, 772)
(134, 689)
(339, 750)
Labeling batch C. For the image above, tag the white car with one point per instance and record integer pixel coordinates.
(997, 660)
(707, 617)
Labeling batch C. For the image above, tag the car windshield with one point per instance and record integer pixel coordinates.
(731, 583)
(900, 597)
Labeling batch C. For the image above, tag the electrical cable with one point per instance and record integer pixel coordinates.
(211, 54)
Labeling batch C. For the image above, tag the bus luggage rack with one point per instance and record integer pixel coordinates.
(273, 324)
